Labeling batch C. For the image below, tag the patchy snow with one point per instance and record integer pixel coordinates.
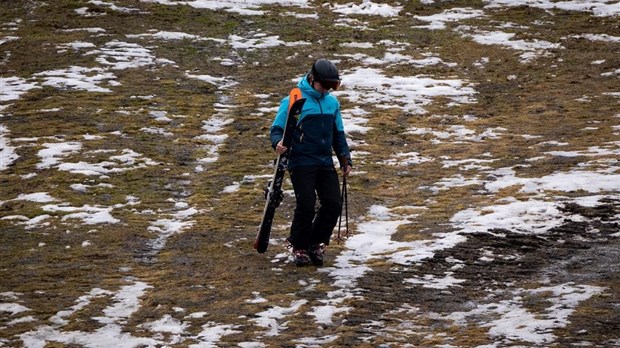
(433, 282)
(157, 131)
(406, 159)
(391, 59)
(29, 223)
(166, 324)
(160, 116)
(598, 37)
(53, 153)
(7, 152)
(77, 45)
(118, 55)
(574, 180)
(373, 240)
(113, 6)
(76, 77)
(90, 215)
(234, 187)
(13, 308)
(12, 88)
(516, 323)
(602, 8)
(362, 45)
(367, 8)
(244, 7)
(84, 188)
(212, 333)
(438, 21)
(257, 298)
(520, 216)
(220, 82)
(324, 314)
(172, 35)
(89, 30)
(261, 41)
(272, 318)
(114, 316)
(38, 197)
(214, 129)
(355, 121)
(457, 134)
(128, 160)
(532, 49)
(410, 93)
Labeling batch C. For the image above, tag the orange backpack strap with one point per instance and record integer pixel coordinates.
(294, 96)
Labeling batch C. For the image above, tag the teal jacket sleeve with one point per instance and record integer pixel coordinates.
(340, 141)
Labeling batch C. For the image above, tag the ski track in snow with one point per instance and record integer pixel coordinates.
(366, 85)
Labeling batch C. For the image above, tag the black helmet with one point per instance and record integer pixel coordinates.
(326, 73)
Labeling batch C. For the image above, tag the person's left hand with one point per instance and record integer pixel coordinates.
(346, 170)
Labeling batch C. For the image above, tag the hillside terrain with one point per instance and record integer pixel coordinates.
(484, 205)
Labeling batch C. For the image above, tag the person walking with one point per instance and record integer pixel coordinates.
(319, 131)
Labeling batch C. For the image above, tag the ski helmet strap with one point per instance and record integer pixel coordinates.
(294, 96)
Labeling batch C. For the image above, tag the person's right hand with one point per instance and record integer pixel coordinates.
(280, 149)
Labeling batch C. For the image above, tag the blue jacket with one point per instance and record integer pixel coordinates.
(319, 129)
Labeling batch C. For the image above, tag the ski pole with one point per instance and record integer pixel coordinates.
(345, 205)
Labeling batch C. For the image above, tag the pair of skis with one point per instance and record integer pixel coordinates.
(273, 193)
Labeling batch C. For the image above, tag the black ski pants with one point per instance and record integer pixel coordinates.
(311, 226)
